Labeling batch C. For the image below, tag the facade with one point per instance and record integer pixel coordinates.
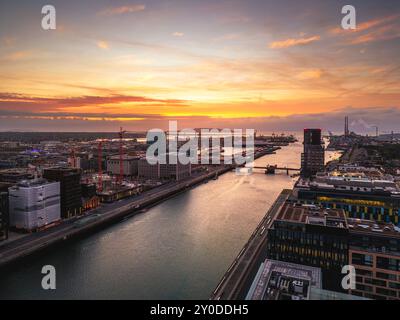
(130, 165)
(311, 236)
(34, 204)
(327, 239)
(374, 250)
(163, 171)
(313, 156)
(358, 195)
(70, 187)
(4, 216)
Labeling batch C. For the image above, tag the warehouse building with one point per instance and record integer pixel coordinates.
(129, 165)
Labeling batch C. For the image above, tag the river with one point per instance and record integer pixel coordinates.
(178, 249)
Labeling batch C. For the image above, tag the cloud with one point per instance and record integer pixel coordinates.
(293, 42)
(383, 33)
(379, 29)
(8, 42)
(22, 102)
(122, 10)
(18, 55)
(362, 120)
(103, 45)
(365, 25)
(178, 34)
(310, 74)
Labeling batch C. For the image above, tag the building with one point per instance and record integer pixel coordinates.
(374, 250)
(15, 175)
(278, 280)
(359, 194)
(130, 165)
(166, 171)
(313, 156)
(34, 204)
(4, 216)
(70, 187)
(311, 236)
(327, 239)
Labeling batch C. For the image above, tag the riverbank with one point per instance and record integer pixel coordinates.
(104, 216)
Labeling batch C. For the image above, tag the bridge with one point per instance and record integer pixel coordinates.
(270, 169)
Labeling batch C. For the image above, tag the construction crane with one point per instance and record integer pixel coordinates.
(99, 165)
(121, 156)
(376, 130)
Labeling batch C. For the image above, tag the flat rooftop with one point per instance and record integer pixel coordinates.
(278, 280)
(311, 214)
(373, 228)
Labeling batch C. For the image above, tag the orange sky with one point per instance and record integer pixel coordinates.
(134, 61)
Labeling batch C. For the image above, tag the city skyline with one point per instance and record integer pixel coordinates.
(255, 64)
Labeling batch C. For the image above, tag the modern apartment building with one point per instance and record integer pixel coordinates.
(374, 250)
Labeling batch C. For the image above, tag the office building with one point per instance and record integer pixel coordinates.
(34, 204)
(361, 195)
(326, 238)
(70, 187)
(313, 156)
(311, 236)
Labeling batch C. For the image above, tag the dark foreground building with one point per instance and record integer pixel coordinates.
(70, 188)
(310, 236)
(313, 156)
(325, 238)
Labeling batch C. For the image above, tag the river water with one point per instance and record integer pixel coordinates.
(177, 250)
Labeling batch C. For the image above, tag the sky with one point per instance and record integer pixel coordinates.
(267, 65)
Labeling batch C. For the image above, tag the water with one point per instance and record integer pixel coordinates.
(177, 250)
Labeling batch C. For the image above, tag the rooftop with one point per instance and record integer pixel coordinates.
(373, 228)
(311, 214)
(278, 280)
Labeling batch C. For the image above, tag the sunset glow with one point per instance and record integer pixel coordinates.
(141, 63)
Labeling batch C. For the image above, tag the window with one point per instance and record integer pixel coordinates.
(363, 272)
(362, 259)
(375, 282)
(394, 285)
(387, 276)
(386, 292)
(363, 287)
(388, 263)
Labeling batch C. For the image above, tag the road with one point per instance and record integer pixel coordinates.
(237, 279)
(103, 215)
